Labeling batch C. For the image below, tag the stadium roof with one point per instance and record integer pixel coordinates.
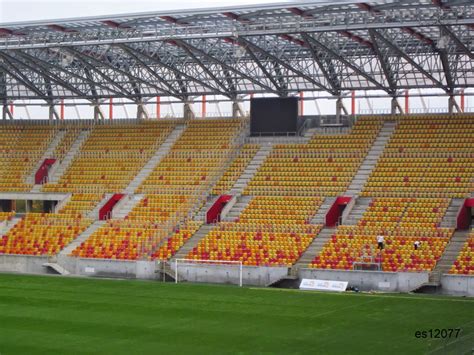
(284, 48)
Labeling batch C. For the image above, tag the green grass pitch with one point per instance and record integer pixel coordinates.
(57, 315)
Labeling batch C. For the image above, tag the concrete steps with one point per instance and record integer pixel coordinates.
(126, 205)
(361, 205)
(237, 208)
(201, 214)
(94, 214)
(60, 168)
(48, 154)
(315, 247)
(251, 169)
(450, 254)
(320, 216)
(7, 225)
(56, 268)
(370, 161)
(81, 238)
(162, 151)
(449, 219)
(310, 132)
(193, 241)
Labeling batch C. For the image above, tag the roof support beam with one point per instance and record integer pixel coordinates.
(343, 60)
(36, 67)
(457, 41)
(78, 56)
(246, 42)
(278, 86)
(134, 96)
(208, 72)
(410, 60)
(178, 73)
(225, 65)
(131, 52)
(384, 63)
(330, 73)
(21, 77)
(87, 80)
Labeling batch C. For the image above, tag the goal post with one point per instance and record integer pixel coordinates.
(235, 264)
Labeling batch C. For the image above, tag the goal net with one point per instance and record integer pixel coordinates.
(231, 269)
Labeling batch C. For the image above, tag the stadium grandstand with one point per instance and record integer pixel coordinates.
(381, 199)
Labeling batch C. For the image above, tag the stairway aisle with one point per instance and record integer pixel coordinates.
(370, 161)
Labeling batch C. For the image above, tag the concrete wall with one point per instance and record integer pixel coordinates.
(23, 264)
(214, 273)
(370, 280)
(109, 268)
(458, 285)
(255, 276)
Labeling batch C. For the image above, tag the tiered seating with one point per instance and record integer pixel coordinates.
(111, 157)
(139, 233)
(80, 204)
(21, 148)
(403, 216)
(42, 234)
(176, 241)
(464, 264)
(402, 221)
(399, 253)
(236, 169)
(325, 166)
(6, 216)
(174, 188)
(195, 159)
(67, 142)
(426, 157)
(271, 231)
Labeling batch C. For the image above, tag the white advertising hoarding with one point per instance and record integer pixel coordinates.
(323, 285)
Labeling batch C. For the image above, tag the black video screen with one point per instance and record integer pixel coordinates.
(273, 115)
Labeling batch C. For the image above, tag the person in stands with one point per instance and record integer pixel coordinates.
(416, 244)
(380, 242)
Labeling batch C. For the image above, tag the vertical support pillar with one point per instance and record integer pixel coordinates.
(111, 109)
(6, 112)
(158, 107)
(188, 111)
(452, 104)
(339, 110)
(396, 107)
(237, 109)
(462, 100)
(203, 106)
(301, 103)
(62, 110)
(142, 113)
(98, 114)
(353, 103)
(53, 113)
(407, 105)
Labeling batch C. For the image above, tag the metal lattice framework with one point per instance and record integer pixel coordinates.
(330, 46)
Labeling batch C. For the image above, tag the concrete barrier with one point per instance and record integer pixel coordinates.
(124, 269)
(459, 285)
(370, 280)
(26, 264)
(225, 274)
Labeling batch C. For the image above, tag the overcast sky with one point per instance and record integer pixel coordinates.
(27, 10)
